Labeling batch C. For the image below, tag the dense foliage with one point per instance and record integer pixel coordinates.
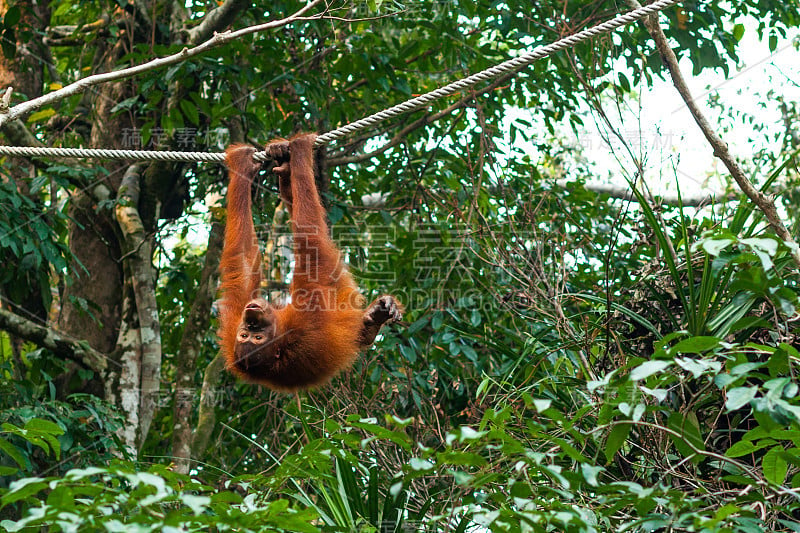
(569, 361)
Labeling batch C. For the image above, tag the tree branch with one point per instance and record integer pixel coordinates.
(71, 35)
(625, 193)
(761, 200)
(16, 133)
(52, 340)
(19, 110)
(216, 19)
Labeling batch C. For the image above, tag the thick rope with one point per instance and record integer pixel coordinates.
(405, 107)
(100, 153)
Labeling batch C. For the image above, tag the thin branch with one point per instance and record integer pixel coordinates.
(52, 340)
(761, 200)
(8, 114)
(625, 193)
(72, 35)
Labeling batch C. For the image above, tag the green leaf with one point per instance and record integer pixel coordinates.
(190, 111)
(39, 116)
(738, 32)
(698, 367)
(398, 437)
(8, 42)
(19, 490)
(127, 103)
(12, 17)
(467, 433)
(774, 465)
(197, 504)
(46, 426)
(713, 247)
(570, 450)
(616, 438)
(590, 473)
(698, 344)
(418, 325)
(475, 318)
(764, 248)
(408, 352)
(623, 82)
(648, 368)
(38, 182)
(739, 397)
(13, 452)
(470, 352)
(688, 427)
(61, 496)
(746, 447)
(420, 464)
(482, 387)
(658, 394)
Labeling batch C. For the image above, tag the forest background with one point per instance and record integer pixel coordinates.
(575, 357)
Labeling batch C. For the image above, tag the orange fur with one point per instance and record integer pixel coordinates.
(322, 329)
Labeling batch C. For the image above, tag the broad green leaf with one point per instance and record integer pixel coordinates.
(774, 465)
(542, 405)
(738, 32)
(23, 488)
(190, 111)
(649, 368)
(417, 325)
(715, 246)
(590, 473)
(570, 450)
(746, 447)
(198, 504)
(470, 352)
(698, 344)
(13, 452)
(658, 394)
(47, 426)
(689, 438)
(39, 116)
(12, 16)
(467, 433)
(616, 438)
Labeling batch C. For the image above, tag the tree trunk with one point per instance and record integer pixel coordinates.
(194, 333)
(138, 261)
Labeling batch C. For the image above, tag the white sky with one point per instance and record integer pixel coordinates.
(672, 141)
